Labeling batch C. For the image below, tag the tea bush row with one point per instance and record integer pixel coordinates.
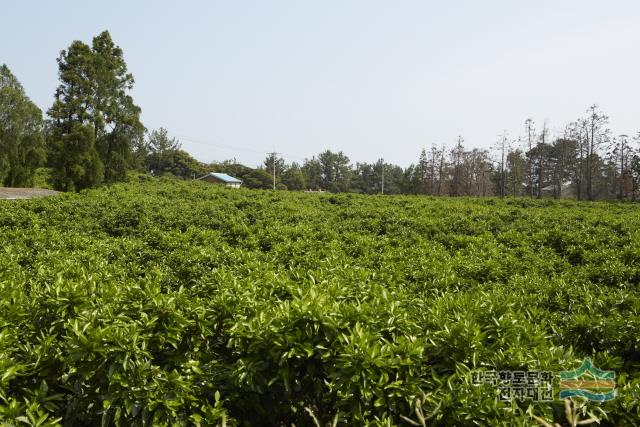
(179, 303)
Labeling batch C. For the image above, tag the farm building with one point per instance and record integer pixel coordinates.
(222, 179)
(566, 191)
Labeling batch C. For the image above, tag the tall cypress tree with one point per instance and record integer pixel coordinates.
(116, 118)
(94, 119)
(76, 163)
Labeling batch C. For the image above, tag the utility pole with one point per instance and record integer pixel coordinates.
(502, 149)
(273, 159)
(382, 175)
(623, 142)
(501, 145)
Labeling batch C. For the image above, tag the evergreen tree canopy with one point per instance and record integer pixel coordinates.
(93, 95)
(21, 133)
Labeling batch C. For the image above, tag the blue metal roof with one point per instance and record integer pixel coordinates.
(225, 178)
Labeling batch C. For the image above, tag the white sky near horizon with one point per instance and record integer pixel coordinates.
(375, 79)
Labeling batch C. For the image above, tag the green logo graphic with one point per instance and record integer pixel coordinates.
(589, 382)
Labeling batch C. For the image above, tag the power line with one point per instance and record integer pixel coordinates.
(218, 145)
(234, 148)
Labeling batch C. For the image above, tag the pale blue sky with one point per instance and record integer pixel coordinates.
(372, 78)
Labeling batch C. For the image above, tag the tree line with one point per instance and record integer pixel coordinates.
(585, 161)
(92, 135)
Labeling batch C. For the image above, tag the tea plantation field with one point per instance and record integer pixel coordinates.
(166, 302)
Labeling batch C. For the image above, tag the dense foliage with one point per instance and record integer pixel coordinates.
(21, 138)
(94, 121)
(166, 302)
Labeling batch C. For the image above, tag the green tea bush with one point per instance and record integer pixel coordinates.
(166, 302)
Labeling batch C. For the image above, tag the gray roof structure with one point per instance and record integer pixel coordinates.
(223, 177)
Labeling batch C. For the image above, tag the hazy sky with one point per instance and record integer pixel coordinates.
(371, 78)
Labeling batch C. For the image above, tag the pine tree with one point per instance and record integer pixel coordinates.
(162, 151)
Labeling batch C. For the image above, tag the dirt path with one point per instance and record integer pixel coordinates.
(24, 193)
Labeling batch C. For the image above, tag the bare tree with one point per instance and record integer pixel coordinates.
(582, 138)
(596, 135)
(441, 170)
(458, 170)
(542, 157)
(531, 132)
